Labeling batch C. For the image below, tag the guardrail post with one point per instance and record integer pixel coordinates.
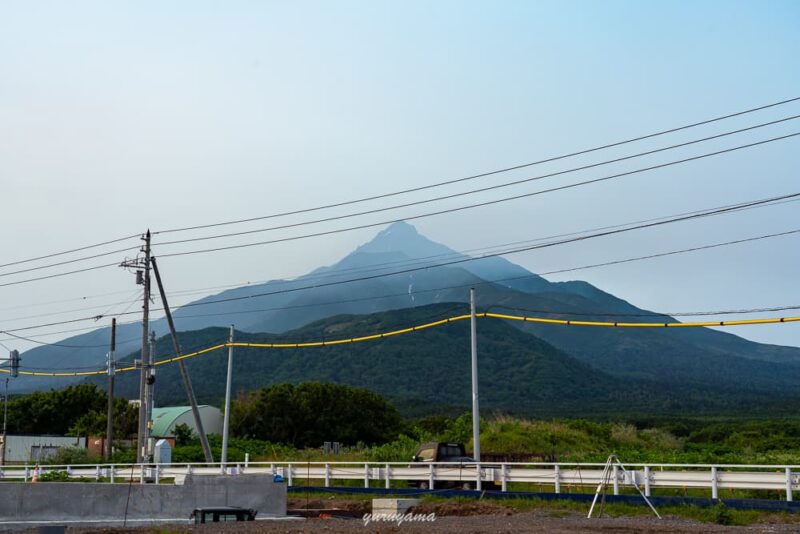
(557, 477)
(366, 476)
(111, 474)
(504, 477)
(327, 475)
(387, 474)
(97, 473)
(141, 475)
(158, 473)
(789, 484)
(616, 479)
(290, 467)
(189, 469)
(478, 477)
(246, 460)
(714, 489)
(27, 473)
(431, 477)
(647, 481)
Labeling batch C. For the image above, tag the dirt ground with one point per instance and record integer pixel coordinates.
(346, 515)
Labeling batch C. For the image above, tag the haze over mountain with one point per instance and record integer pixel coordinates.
(402, 269)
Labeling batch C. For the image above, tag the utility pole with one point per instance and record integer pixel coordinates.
(227, 420)
(476, 416)
(111, 369)
(14, 358)
(5, 421)
(142, 267)
(187, 382)
(149, 395)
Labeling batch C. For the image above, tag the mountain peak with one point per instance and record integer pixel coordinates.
(403, 238)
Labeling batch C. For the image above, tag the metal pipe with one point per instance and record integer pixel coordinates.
(476, 417)
(227, 420)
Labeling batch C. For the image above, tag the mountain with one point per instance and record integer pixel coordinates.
(428, 371)
(401, 269)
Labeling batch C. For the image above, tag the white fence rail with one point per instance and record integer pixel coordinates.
(559, 476)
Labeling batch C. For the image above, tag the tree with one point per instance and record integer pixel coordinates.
(308, 414)
(78, 410)
(183, 434)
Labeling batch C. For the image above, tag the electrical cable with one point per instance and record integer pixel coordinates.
(474, 191)
(477, 205)
(452, 210)
(415, 203)
(66, 262)
(490, 173)
(429, 186)
(694, 215)
(70, 251)
(420, 327)
(512, 251)
(385, 265)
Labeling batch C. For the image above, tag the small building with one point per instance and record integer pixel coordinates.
(166, 419)
(34, 449)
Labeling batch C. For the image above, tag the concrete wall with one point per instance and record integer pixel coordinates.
(82, 501)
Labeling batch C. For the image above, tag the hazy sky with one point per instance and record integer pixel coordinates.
(119, 116)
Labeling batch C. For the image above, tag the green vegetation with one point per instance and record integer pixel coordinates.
(309, 414)
(76, 411)
(428, 372)
(290, 422)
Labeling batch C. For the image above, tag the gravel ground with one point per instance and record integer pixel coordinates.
(344, 515)
(522, 522)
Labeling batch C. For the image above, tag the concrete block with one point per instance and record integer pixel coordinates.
(392, 506)
(53, 501)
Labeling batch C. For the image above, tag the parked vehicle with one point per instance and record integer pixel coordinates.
(216, 514)
(436, 452)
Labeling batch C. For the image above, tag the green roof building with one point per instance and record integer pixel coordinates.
(166, 419)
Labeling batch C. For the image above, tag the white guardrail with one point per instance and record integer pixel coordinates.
(561, 476)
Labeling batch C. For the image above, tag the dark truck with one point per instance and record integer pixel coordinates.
(435, 452)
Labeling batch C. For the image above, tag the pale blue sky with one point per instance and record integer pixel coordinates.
(117, 116)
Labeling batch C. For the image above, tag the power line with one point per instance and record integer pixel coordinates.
(663, 254)
(475, 191)
(63, 312)
(58, 275)
(651, 314)
(415, 203)
(425, 259)
(651, 256)
(414, 217)
(425, 187)
(67, 262)
(54, 254)
(513, 251)
(426, 326)
(481, 204)
(489, 173)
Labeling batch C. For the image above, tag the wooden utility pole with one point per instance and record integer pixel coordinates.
(108, 449)
(187, 382)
